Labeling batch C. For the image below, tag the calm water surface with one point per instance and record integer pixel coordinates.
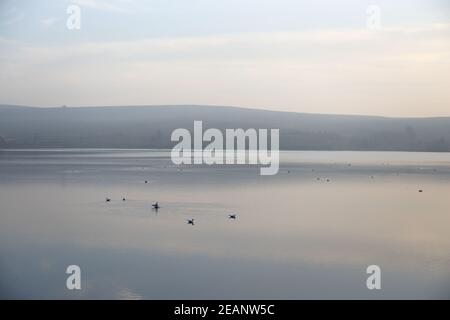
(294, 237)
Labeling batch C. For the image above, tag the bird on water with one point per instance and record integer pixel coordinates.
(156, 206)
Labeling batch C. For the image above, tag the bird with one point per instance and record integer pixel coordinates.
(420, 190)
(123, 199)
(155, 206)
(108, 200)
(190, 221)
(232, 216)
(146, 181)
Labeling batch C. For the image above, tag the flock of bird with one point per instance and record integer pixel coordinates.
(233, 216)
(156, 207)
(371, 177)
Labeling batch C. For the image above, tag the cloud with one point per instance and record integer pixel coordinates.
(104, 5)
(332, 71)
(11, 17)
(48, 22)
(127, 294)
(324, 47)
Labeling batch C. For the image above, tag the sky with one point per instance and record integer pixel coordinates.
(389, 58)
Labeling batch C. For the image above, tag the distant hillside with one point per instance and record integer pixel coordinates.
(151, 127)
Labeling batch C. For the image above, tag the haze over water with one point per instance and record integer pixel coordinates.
(294, 237)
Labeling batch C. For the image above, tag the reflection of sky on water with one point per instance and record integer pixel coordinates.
(295, 236)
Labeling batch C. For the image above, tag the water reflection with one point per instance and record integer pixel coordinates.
(295, 236)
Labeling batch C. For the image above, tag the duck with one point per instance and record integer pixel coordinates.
(156, 206)
(190, 221)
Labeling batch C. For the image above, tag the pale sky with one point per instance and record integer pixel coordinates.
(312, 56)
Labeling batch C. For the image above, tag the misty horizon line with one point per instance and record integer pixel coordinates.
(152, 126)
(223, 106)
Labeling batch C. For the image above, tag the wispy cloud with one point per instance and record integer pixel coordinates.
(361, 71)
(128, 294)
(11, 16)
(307, 46)
(104, 5)
(48, 22)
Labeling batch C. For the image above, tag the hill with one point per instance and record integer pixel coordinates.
(151, 127)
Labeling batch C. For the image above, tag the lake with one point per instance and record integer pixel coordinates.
(308, 232)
